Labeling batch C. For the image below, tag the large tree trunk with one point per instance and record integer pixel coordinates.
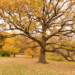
(42, 57)
(43, 46)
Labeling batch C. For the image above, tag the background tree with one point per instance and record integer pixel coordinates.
(31, 48)
(3, 36)
(53, 16)
(12, 45)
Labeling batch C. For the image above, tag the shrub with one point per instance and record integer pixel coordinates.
(4, 53)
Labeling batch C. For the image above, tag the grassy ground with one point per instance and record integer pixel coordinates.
(4, 58)
(28, 66)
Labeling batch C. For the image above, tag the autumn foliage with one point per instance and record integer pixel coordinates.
(3, 36)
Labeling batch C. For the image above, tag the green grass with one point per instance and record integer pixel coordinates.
(24, 66)
(24, 55)
(55, 59)
(4, 58)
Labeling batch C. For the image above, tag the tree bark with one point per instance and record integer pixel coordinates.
(42, 51)
(32, 56)
(42, 57)
(0, 47)
(14, 55)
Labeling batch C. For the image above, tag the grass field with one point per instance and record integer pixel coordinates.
(3, 58)
(29, 66)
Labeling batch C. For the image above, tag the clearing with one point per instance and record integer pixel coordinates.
(28, 66)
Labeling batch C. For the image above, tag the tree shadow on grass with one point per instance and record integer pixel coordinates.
(42, 63)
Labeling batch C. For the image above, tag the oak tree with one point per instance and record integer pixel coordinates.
(44, 18)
